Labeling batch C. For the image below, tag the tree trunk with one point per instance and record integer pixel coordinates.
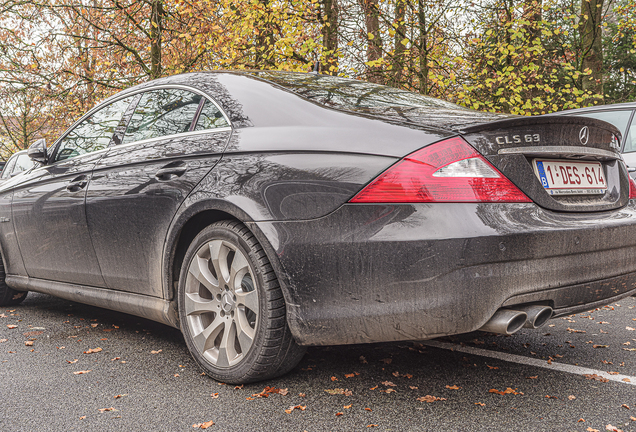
(532, 12)
(400, 48)
(156, 28)
(592, 45)
(423, 48)
(374, 47)
(330, 35)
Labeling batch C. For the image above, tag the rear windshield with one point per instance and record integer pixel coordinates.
(350, 94)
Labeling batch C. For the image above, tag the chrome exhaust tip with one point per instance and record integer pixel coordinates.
(537, 315)
(505, 321)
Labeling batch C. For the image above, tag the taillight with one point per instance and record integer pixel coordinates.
(447, 171)
(632, 188)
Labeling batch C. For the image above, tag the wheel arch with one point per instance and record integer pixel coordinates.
(190, 222)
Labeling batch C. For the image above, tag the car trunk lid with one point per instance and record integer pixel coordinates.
(551, 159)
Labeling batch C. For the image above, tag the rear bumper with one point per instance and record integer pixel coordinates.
(371, 273)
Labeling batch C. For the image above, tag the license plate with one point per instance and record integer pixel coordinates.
(565, 177)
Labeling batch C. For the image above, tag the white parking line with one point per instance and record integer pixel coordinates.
(513, 358)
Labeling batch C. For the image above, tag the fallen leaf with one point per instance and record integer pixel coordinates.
(492, 367)
(215, 395)
(625, 406)
(203, 425)
(600, 346)
(238, 387)
(580, 420)
(627, 380)
(389, 390)
(94, 325)
(630, 328)
(292, 408)
(551, 397)
(351, 375)
(575, 331)
(347, 406)
(368, 409)
(595, 377)
(609, 427)
(32, 333)
(119, 396)
(388, 383)
(82, 417)
(589, 429)
(430, 399)
(571, 397)
(506, 391)
(302, 394)
(155, 352)
(413, 387)
(28, 343)
(93, 350)
(480, 403)
(373, 388)
(533, 377)
(339, 391)
(453, 387)
(106, 409)
(632, 418)
(372, 425)
(81, 372)
(3, 340)
(338, 414)
(333, 378)
(12, 326)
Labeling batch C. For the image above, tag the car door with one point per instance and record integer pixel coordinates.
(139, 184)
(48, 204)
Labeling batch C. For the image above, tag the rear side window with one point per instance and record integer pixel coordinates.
(210, 117)
(161, 113)
(6, 172)
(94, 133)
(630, 140)
(617, 118)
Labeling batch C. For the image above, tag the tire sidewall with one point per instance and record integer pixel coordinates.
(230, 374)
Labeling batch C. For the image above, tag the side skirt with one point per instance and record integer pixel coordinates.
(152, 308)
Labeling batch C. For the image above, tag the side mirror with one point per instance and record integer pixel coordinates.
(37, 151)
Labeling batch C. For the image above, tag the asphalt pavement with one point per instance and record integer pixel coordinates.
(65, 366)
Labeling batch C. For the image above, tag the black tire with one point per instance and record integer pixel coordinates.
(8, 296)
(232, 342)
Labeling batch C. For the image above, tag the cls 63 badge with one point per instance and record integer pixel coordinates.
(517, 139)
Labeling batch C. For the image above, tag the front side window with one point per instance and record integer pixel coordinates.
(94, 133)
(22, 163)
(161, 113)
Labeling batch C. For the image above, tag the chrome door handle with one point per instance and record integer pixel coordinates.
(170, 171)
(77, 184)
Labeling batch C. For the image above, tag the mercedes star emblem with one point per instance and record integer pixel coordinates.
(584, 135)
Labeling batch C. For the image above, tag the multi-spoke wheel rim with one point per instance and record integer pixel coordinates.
(221, 303)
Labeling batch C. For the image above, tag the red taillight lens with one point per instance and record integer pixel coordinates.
(632, 188)
(448, 171)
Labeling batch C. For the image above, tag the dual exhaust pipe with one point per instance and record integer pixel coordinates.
(509, 321)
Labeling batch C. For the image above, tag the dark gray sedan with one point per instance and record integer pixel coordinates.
(262, 212)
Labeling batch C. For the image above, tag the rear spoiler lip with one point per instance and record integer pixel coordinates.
(543, 120)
